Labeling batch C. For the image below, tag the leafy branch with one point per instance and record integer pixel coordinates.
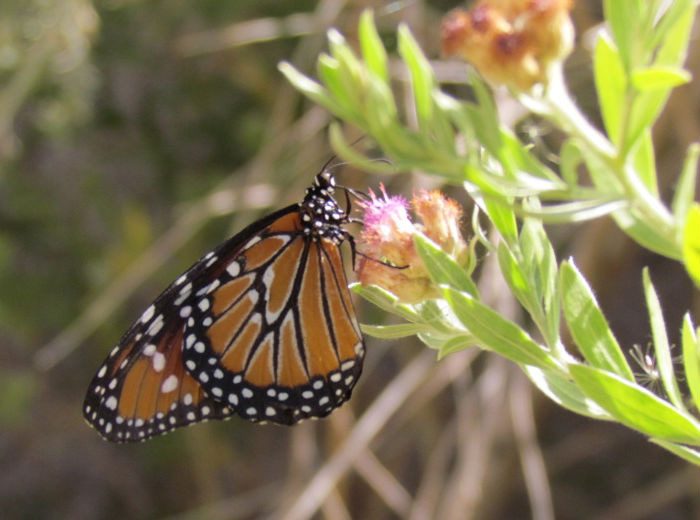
(636, 65)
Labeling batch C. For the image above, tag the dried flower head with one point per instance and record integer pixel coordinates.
(510, 42)
(387, 238)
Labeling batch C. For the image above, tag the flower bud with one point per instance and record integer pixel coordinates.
(512, 42)
(390, 259)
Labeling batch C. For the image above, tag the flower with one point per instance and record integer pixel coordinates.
(389, 257)
(512, 42)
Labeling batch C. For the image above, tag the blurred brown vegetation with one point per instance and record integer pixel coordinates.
(135, 135)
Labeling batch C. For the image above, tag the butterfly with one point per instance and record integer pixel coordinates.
(262, 327)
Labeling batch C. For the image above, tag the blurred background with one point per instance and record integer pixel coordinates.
(136, 135)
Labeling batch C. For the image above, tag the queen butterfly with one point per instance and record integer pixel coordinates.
(262, 327)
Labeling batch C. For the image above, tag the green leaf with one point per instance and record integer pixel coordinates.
(570, 157)
(394, 331)
(456, 344)
(611, 84)
(541, 263)
(635, 406)
(658, 77)
(310, 88)
(373, 51)
(623, 19)
(647, 235)
(329, 71)
(691, 243)
(437, 314)
(644, 163)
(645, 109)
(587, 324)
(661, 344)
(517, 159)
(484, 116)
(684, 452)
(674, 31)
(691, 359)
(386, 301)
(501, 215)
(518, 280)
(685, 188)
(577, 211)
(565, 393)
(496, 333)
(421, 75)
(442, 268)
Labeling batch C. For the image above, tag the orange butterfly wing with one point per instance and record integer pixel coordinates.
(277, 339)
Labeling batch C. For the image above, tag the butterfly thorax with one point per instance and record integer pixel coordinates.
(321, 216)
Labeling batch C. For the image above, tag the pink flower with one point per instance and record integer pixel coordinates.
(390, 259)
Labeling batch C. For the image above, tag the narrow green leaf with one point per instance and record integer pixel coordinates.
(691, 243)
(438, 314)
(518, 159)
(578, 211)
(691, 359)
(685, 188)
(310, 88)
(565, 393)
(442, 268)
(502, 217)
(570, 157)
(623, 19)
(684, 452)
(421, 75)
(518, 280)
(647, 235)
(456, 344)
(662, 347)
(386, 301)
(541, 263)
(674, 31)
(635, 406)
(496, 333)
(658, 77)
(645, 110)
(329, 71)
(644, 163)
(394, 331)
(611, 84)
(373, 52)
(587, 324)
(484, 116)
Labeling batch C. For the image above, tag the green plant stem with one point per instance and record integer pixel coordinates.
(558, 106)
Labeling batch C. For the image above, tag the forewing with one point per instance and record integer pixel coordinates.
(277, 339)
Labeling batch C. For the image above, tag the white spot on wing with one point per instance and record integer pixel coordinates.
(158, 362)
(169, 384)
(148, 314)
(234, 268)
